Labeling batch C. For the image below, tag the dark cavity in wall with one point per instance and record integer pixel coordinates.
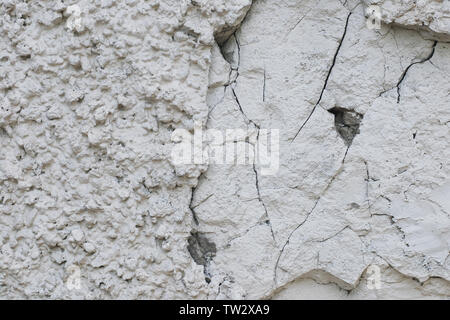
(202, 251)
(347, 123)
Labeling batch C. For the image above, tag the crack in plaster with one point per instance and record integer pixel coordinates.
(327, 77)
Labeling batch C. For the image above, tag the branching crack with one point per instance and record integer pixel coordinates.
(308, 215)
(433, 49)
(247, 119)
(201, 249)
(201, 202)
(191, 206)
(327, 78)
(258, 128)
(266, 213)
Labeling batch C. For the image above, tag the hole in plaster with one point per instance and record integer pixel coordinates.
(229, 50)
(347, 123)
(202, 251)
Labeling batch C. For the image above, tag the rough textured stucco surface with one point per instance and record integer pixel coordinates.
(88, 103)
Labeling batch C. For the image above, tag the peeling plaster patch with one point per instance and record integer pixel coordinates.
(347, 123)
(202, 251)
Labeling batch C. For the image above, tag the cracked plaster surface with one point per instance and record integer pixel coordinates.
(88, 108)
(334, 208)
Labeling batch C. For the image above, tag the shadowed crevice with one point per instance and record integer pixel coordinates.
(202, 250)
(347, 123)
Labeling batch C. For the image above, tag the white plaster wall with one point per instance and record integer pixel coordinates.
(93, 206)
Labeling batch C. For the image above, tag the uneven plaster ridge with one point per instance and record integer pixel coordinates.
(91, 92)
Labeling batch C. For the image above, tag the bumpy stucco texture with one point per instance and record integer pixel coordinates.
(91, 92)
